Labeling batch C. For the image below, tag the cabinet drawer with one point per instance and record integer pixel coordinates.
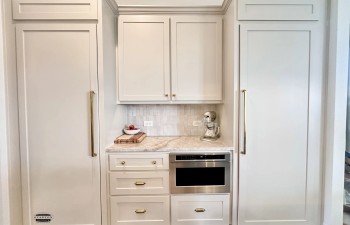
(200, 209)
(54, 9)
(133, 183)
(150, 210)
(139, 162)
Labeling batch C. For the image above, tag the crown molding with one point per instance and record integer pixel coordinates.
(114, 6)
(145, 9)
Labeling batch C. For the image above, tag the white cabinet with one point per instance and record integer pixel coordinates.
(279, 9)
(196, 58)
(200, 209)
(139, 189)
(143, 51)
(280, 161)
(57, 69)
(144, 47)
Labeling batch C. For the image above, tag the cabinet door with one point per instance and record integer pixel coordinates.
(196, 54)
(143, 48)
(57, 68)
(278, 9)
(280, 161)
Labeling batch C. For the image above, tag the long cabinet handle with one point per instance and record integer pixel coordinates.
(244, 122)
(92, 95)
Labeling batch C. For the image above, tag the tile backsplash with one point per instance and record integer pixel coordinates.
(169, 120)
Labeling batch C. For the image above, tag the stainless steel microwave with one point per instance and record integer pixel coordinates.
(200, 172)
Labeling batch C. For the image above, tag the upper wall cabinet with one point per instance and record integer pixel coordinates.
(54, 9)
(144, 46)
(143, 50)
(278, 9)
(196, 58)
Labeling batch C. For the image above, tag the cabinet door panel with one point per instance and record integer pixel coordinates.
(57, 67)
(143, 48)
(279, 174)
(196, 50)
(54, 9)
(278, 9)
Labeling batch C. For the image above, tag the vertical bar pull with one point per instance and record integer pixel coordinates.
(92, 95)
(244, 122)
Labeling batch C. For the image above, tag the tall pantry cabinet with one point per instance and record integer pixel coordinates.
(281, 84)
(58, 112)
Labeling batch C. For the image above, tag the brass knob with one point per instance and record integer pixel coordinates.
(154, 162)
(123, 162)
(174, 95)
(166, 95)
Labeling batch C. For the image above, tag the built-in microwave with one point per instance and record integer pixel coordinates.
(200, 172)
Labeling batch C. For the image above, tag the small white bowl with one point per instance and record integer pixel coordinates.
(127, 131)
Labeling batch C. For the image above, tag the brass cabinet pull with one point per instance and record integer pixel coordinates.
(166, 95)
(140, 210)
(174, 95)
(154, 162)
(140, 183)
(244, 122)
(122, 162)
(199, 210)
(92, 95)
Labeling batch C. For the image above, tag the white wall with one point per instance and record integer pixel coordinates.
(4, 176)
(336, 112)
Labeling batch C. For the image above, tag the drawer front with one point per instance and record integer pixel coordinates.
(200, 209)
(133, 183)
(139, 162)
(145, 210)
(54, 9)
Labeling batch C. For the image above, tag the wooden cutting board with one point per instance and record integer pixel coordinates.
(130, 138)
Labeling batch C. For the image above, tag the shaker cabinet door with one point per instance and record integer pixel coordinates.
(143, 51)
(57, 69)
(196, 58)
(281, 116)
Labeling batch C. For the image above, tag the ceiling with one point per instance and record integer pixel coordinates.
(170, 3)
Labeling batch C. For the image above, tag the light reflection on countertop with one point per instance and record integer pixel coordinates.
(168, 144)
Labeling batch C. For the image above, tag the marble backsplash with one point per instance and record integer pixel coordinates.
(169, 120)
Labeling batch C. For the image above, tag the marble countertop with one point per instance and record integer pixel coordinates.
(168, 144)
